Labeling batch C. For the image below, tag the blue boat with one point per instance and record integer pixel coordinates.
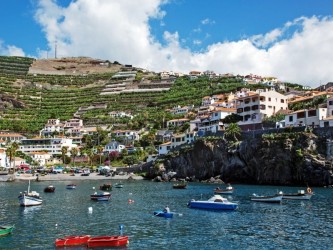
(161, 213)
(217, 202)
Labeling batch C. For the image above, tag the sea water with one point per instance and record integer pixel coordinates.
(290, 225)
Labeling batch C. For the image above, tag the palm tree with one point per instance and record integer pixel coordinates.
(64, 151)
(10, 153)
(100, 151)
(233, 130)
(74, 153)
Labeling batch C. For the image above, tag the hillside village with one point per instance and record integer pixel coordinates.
(81, 141)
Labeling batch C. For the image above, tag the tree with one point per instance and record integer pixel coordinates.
(74, 152)
(99, 149)
(233, 118)
(64, 151)
(10, 153)
(232, 131)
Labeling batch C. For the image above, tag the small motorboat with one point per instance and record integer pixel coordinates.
(104, 196)
(216, 202)
(269, 199)
(179, 185)
(228, 190)
(106, 187)
(49, 189)
(5, 230)
(80, 240)
(28, 198)
(161, 213)
(107, 241)
(300, 195)
(71, 186)
(118, 185)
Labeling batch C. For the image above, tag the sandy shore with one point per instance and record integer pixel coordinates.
(66, 177)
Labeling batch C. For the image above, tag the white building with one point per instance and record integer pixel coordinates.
(305, 117)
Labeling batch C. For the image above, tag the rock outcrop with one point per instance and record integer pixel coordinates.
(279, 159)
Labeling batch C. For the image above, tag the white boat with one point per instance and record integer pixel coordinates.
(300, 195)
(228, 190)
(217, 202)
(269, 199)
(28, 198)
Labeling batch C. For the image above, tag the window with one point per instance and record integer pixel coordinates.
(330, 102)
(282, 100)
(291, 118)
(312, 113)
(269, 99)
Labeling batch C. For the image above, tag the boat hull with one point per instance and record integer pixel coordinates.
(160, 213)
(26, 200)
(267, 199)
(49, 189)
(107, 241)
(5, 230)
(72, 241)
(100, 197)
(297, 196)
(222, 191)
(71, 186)
(212, 205)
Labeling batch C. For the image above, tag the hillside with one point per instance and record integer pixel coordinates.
(32, 91)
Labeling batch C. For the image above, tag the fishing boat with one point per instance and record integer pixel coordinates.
(5, 230)
(300, 195)
(107, 241)
(228, 190)
(104, 196)
(269, 199)
(28, 198)
(49, 189)
(71, 186)
(106, 187)
(216, 202)
(179, 185)
(118, 185)
(161, 213)
(80, 240)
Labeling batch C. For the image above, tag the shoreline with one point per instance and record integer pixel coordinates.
(66, 177)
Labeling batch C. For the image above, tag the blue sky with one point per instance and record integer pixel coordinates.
(289, 39)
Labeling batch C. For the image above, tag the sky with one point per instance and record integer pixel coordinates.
(288, 39)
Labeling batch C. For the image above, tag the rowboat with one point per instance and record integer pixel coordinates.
(179, 185)
(72, 241)
(118, 185)
(216, 202)
(28, 198)
(269, 199)
(49, 189)
(71, 186)
(300, 195)
(104, 196)
(107, 241)
(161, 213)
(5, 230)
(228, 190)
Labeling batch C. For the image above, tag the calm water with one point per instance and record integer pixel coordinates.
(291, 225)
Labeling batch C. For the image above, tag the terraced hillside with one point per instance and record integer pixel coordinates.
(29, 99)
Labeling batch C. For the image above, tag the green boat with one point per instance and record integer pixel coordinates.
(5, 230)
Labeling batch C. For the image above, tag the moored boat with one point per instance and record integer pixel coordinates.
(49, 189)
(269, 199)
(118, 185)
(104, 196)
(106, 187)
(216, 202)
(107, 241)
(300, 195)
(71, 186)
(179, 185)
(5, 230)
(28, 198)
(228, 190)
(80, 240)
(161, 213)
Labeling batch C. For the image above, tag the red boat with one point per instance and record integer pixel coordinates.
(108, 241)
(72, 241)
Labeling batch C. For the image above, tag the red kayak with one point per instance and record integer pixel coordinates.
(72, 241)
(108, 241)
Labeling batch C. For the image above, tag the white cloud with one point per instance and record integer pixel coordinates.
(300, 51)
(10, 50)
(196, 42)
(207, 21)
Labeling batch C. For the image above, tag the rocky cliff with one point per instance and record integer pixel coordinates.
(274, 159)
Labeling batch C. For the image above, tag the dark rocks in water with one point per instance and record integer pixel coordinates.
(299, 159)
